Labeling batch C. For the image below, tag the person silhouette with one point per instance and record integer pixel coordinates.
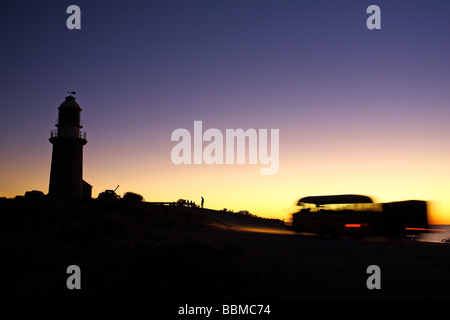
(203, 201)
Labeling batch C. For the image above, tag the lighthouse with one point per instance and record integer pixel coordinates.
(66, 173)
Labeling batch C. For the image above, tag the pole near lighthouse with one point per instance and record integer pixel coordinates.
(66, 173)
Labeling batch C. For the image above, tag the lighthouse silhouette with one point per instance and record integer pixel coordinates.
(66, 173)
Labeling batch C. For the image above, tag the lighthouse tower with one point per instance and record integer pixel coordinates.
(66, 173)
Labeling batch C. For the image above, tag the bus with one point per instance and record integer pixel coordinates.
(358, 215)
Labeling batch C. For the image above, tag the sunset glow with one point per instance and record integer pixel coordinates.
(358, 111)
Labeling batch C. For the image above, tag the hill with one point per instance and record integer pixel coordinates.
(134, 250)
(124, 249)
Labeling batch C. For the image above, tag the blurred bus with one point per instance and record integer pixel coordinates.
(358, 215)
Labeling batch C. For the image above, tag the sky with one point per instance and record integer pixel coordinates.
(358, 111)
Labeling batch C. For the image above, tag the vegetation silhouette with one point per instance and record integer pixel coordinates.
(131, 196)
(142, 250)
(125, 248)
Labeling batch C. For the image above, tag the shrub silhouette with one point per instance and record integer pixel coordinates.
(131, 196)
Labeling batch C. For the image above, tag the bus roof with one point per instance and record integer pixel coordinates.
(335, 199)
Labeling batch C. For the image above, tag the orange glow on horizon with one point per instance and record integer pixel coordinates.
(145, 168)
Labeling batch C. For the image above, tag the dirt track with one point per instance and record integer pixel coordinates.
(312, 267)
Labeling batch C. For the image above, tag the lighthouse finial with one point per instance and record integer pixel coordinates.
(71, 92)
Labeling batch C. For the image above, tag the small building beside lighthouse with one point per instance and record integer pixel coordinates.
(66, 173)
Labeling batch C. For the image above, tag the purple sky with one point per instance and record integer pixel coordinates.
(144, 68)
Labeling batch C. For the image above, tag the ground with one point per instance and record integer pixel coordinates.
(137, 250)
